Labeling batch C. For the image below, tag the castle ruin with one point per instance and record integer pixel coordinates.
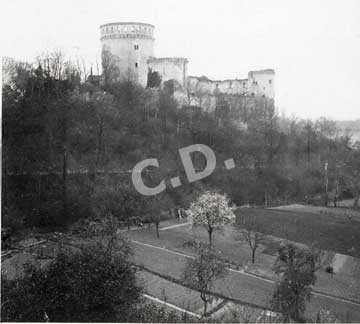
(132, 46)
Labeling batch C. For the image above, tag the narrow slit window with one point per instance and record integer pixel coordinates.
(136, 65)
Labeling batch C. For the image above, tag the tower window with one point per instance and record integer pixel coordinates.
(269, 81)
(136, 65)
(136, 47)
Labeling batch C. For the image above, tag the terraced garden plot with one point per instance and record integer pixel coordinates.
(226, 241)
(171, 292)
(344, 284)
(236, 285)
(247, 289)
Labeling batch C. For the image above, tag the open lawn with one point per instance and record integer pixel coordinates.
(338, 212)
(329, 231)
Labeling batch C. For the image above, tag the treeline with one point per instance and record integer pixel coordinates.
(70, 142)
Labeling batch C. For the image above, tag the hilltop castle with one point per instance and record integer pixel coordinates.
(132, 46)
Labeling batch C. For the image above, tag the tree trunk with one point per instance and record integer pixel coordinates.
(253, 256)
(356, 201)
(99, 144)
(210, 230)
(296, 314)
(205, 308)
(326, 200)
(157, 230)
(266, 198)
(64, 189)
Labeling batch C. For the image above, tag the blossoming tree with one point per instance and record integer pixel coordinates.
(211, 210)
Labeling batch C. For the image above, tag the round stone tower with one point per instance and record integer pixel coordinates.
(130, 45)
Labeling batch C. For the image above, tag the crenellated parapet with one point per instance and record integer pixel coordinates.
(127, 30)
(167, 60)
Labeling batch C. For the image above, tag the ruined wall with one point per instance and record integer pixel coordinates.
(262, 83)
(132, 44)
(170, 68)
(204, 85)
(258, 83)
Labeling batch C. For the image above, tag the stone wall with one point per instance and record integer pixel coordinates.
(205, 85)
(258, 83)
(170, 68)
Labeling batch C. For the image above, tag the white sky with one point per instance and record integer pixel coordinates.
(314, 46)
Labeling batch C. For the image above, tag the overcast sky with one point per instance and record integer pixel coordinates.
(314, 46)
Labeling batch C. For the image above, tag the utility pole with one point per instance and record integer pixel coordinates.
(326, 183)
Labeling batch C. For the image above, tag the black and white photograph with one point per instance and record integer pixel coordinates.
(180, 161)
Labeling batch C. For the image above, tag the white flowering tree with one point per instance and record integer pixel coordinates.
(211, 210)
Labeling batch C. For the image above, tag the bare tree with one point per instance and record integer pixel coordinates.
(105, 235)
(157, 208)
(110, 69)
(252, 235)
(203, 270)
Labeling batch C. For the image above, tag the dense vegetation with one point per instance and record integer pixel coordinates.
(94, 282)
(70, 143)
(75, 288)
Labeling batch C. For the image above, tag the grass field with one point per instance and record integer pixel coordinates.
(331, 232)
(343, 212)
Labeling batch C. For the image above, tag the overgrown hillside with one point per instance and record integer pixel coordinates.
(69, 146)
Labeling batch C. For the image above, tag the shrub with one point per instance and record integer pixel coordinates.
(88, 286)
